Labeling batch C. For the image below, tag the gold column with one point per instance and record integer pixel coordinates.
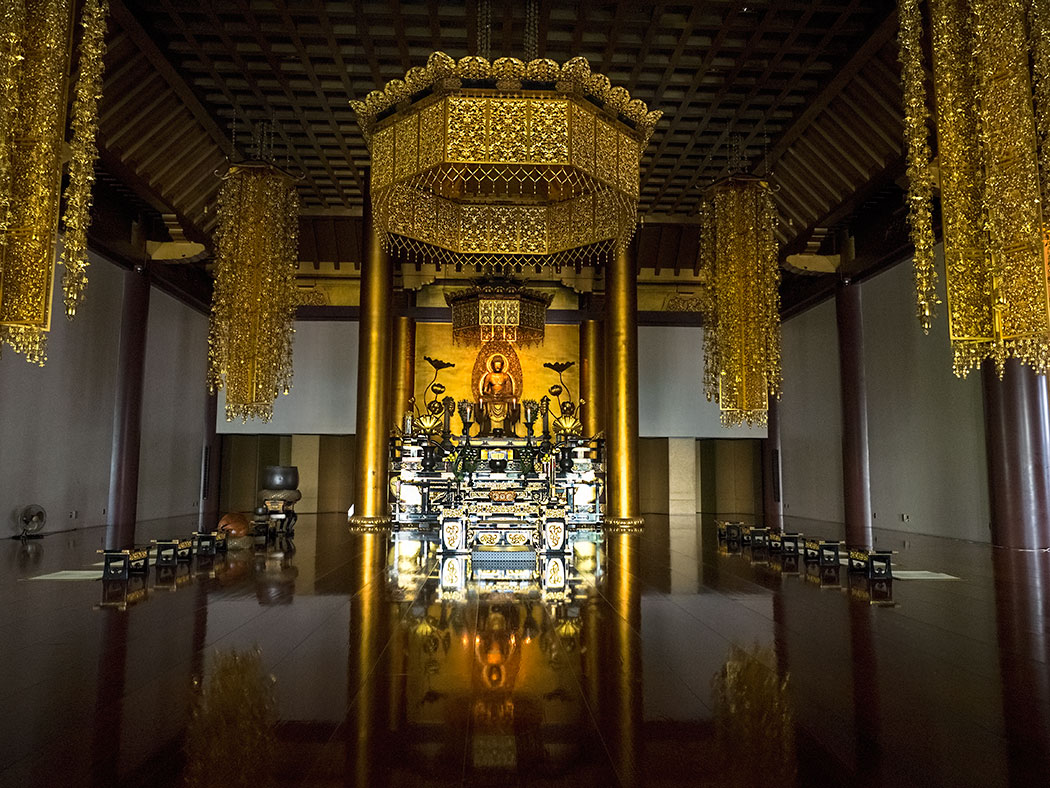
(592, 384)
(368, 637)
(371, 507)
(621, 390)
(622, 700)
(404, 363)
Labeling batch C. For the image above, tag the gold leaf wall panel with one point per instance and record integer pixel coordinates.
(561, 343)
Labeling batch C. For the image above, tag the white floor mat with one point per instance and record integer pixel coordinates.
(920, 574)
(71, 574)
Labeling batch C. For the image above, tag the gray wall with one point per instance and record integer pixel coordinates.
(323, 397)
(56, 421)
(925, 426)
(671, 401)
(174, 400)
(811, 416)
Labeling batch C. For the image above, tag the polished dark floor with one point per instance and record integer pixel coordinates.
(331, 663)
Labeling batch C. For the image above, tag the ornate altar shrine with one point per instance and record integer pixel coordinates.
(498, 492)
(499, 497)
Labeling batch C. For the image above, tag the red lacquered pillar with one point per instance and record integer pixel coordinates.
(856, 472)
(127, 411)
(1017, 436)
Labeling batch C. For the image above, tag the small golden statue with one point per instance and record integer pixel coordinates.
(497, 398)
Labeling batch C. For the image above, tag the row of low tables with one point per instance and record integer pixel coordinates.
(122, 564)
(873, 564)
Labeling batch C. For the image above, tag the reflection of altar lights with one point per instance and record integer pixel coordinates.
(493, 662)
(554, 577)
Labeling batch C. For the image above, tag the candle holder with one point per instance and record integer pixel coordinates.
(545, 442)
(448, 408)
(531, 411)
(466, 415)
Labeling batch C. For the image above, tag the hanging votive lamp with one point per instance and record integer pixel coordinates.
(255, 296)
(35, 51)
(741, 272)
(991, 80)
(504, 165)
(498, 310)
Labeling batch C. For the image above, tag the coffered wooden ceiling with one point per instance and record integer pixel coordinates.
(807, 93)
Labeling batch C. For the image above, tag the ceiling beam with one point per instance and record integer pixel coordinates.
(163, 66)
(882, 35)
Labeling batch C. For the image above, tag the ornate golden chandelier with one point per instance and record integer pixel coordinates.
(505, 164)
(255, 297)
(498, 310)
(35, 50)
(738, 263)
(993, 142)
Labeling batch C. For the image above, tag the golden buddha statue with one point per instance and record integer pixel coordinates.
(497, 398)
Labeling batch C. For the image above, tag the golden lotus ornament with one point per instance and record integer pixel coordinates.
(506, 164)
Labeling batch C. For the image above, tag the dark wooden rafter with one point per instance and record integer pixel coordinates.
(784, 92)
(723, 139)
(144, 100)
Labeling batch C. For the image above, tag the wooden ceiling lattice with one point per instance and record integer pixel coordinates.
(806, 93)
(731, 78)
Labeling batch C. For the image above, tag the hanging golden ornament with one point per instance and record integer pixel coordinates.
(741, 305)
(498, 310)
(920, 173)
(35, 46)
(255, 297)
(987, 57)
(505, 164)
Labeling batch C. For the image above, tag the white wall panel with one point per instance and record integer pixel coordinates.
(925, 426)
(56, 421)
(671, 401)
(323, 399)
(174, 400)
(811, 417)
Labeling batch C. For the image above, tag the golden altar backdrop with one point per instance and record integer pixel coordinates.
(562, 343)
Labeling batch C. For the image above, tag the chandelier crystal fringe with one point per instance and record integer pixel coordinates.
(920, 173)
(83, 153)
(35, 45)
(255, 296)
(504, 165)
(741, 305)
(989, 60)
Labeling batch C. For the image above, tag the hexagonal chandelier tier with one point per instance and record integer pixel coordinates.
(504, 165)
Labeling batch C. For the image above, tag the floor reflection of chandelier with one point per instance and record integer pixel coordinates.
(504, 164)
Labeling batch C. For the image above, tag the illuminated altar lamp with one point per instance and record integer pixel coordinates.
(255, 297)
(994, 177)
(741, 304)
(498, 311)
(35, 51)
(506, 164)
